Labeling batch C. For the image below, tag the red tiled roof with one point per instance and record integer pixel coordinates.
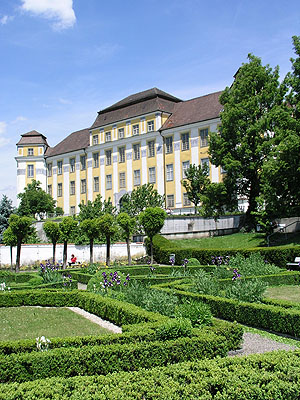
(32, 137)
(75, 141)
(199, 109)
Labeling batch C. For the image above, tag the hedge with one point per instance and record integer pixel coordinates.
(104, 359)
(144, 332)
(261, 376)
(162, 248)
(259, 315)
(21, 277)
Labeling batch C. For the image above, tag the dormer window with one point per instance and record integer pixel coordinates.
(30, 151)
(108, 137)
(150, 126)
(135, 129)
(95, 140)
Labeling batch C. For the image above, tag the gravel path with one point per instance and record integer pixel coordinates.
(97, 320)
(254, 343)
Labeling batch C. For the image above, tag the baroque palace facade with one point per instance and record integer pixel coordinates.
(148, 137)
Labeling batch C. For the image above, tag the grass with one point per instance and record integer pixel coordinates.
(272, 336)
(290, 293)
(30, 322)
(237, 241)
(234, 241)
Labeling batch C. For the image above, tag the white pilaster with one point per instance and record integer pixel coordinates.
(66, 186)
(77, 183)
(177, 170)
(144, 171)
(129, 167)
(115, 169)
(160, 175)
(194, 146)
(158, 121)
(90, 176)
(102, 173)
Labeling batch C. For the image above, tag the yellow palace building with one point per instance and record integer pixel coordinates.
(148, 137)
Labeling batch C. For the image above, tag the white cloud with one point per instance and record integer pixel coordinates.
(61, 11)
(5, 19)
(3, 140)
(19, 118)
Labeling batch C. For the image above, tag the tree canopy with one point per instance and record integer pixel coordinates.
(251, 107)
(141, 198)
(35, 201)
(96, 208)
(6, 209)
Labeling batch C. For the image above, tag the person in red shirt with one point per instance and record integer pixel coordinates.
(73, 259)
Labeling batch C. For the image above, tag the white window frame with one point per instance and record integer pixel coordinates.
(121, 133)
(122, 180)
(169, 146)
(96, 160)
(169, 172)
(151, 148)
(59, 167)
(186, 201)
(135, 129)
(185, 141)
(72, 164)
(108, 181)
(136, 151)
(203, 137)
(49, 169)
(49, 189)
(185, 166)
(107, 136)
(152, 175)
(204, 161)
(59, 190)
(95, 140)
(137, 177)
(30, 171)
(122, 154)
(96, 183)
(72, 188)
(150, 126)
(83, 163)
(72, 210)
(108, 157)
(170, 201)
(30, 151)
(83, 186)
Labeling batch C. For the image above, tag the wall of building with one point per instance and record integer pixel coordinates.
(32, 253)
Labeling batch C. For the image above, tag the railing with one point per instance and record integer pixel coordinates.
(282, 229)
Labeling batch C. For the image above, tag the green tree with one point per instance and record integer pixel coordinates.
(248, 119)
(53, 234)
(152, 221)
(281, 171)
(141, 198)
(127, 225)
(6, 209)
(90, 228)
(67, 227)
(35, 201)
(108, 227)
(214, 201)
(9, 239)
(21, 228)
(195, 183)
(96, 208)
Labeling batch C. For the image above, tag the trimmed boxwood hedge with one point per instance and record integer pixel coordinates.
(162, 248)
(273, 318)
(261, 376)
(104, 359)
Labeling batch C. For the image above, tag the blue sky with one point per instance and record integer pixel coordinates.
(63, 60)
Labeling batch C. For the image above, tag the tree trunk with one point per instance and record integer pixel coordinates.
(54, 250)
(19, 243)
(151, 251)
(65, 255)
(254, 193)
(91, 251)
(128, 250)
(108, 251)
(11, 257)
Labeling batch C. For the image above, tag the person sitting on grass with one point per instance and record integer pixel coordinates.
(73, 260)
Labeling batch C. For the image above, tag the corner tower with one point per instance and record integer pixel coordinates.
(30, 159)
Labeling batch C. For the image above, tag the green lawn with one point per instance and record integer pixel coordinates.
(31, 322)
(237, 241)
(290, 293)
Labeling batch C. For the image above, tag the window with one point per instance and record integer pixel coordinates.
(170, 200)
(185, 166)
(59, 190)
(169, 144)
(95, 140)
(135, 129)
(96, 183)
(122, 181)
(108, 182)
(72, 210)
(96, 160)
(170, 176)
(30, 152)
(136, 151)
(186, 201)
(72, 164)
(150, 126)
(204, 161)
(49, 169)
(121, 133)
(83, 186)
(107, 137)
(185, 141)
(59, 167)
(50, 190)
(152, 175)
(72, 187)
(203, 137)
(151, 148)
(30, 171)
(83, 162)
(108, 157)
(136, 177)
(122, 154)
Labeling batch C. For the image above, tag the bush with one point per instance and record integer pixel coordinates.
(35, 281)
(197, 312)
(204, 283)
(174, 328)
(251, 291)
(155, 300)
(252, 265)
(193, 261)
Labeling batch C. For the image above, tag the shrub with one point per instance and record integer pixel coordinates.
(35, 281)
(161, 302)
(197, 312)
(174, 328)
(252, 265)
(251, 291)
(194, 261)
(204, 283)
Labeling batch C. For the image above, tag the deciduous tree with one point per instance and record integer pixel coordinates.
(107, 225)
(90, 228)
(127, 225)
(67, 229)
(195, 183)
(6, 209)
(53, 233)
(152, 221)
(9, 239)
(141, 198)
